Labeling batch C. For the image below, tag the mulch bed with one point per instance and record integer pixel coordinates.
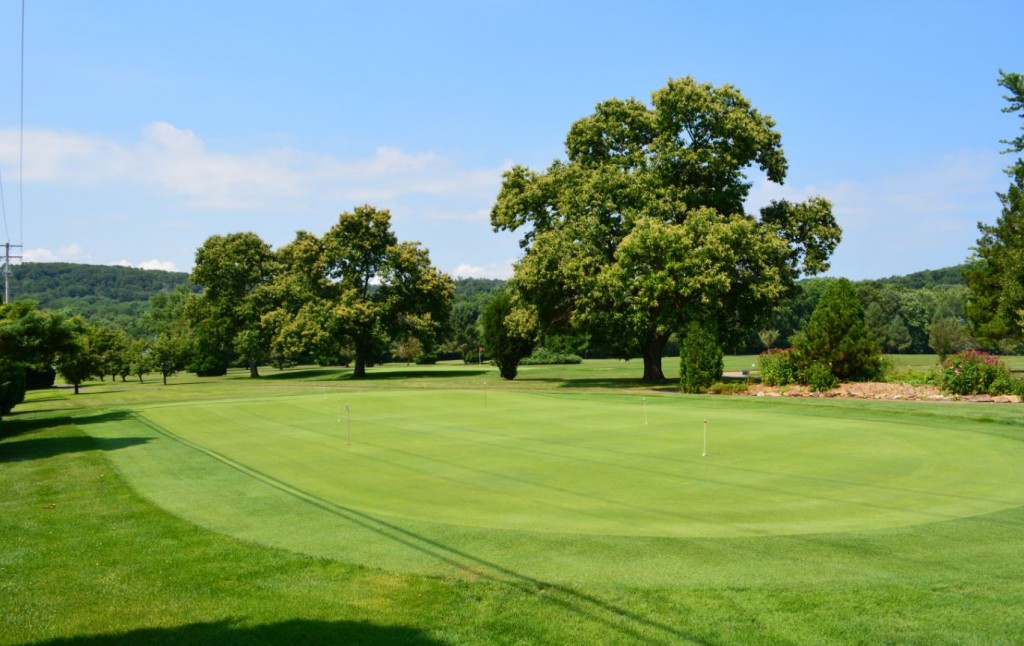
(880, 391)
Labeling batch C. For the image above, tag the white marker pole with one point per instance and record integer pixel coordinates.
(705, 453)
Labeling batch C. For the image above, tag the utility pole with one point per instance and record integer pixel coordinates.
(7, 269)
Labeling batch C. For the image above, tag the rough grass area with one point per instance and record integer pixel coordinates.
(465, 510)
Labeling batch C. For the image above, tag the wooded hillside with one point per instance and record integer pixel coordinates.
(100, 293)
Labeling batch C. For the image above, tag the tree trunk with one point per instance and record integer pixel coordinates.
(165, 378)
(360, 368)
(253, 370)
(652, 359)
(76, 389)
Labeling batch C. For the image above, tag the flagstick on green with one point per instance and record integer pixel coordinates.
(705, 453)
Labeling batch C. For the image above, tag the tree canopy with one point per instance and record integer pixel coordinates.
(642, 228)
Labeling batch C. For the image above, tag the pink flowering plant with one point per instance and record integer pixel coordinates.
(975, 373)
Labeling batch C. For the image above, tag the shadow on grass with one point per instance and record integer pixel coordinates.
(303, 373)
(298, 631)
(607, 383)
(48, 447)
(419, 373)
(13, 425)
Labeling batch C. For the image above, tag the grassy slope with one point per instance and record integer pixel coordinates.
(82, 554)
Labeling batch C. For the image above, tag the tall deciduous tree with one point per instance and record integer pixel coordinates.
(81, 360)
(232, 269)
(643, 227)
(357, 285)
(996, 277)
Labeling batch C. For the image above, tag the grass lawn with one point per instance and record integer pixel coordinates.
(440, 504)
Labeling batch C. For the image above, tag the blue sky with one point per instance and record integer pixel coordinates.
(149, 126)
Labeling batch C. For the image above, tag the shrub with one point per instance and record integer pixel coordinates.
(975, 373)
(701, 359)
(820, 378)
(506, 343)
(546, 357)
(778, 368)
(12, 385)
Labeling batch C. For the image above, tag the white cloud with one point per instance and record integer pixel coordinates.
(164, 265)
(921, 217)
(502, 270)
(68, 253)
(178, 162)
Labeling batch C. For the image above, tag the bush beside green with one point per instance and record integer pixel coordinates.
(700, 358)
(778, 368)
(820, 378)
(977, 373)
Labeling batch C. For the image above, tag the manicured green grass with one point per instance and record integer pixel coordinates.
(571, 506)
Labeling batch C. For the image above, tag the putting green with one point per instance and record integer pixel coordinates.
(505, 482)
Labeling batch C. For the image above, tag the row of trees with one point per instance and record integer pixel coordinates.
(348, 295)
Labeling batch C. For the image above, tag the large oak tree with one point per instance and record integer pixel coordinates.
(642, 227)
(357, 286)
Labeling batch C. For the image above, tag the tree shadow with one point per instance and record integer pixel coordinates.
(420, 373)
(304, 373)
(13, 426)
(607, 383)
(48, 447)
(227, 631)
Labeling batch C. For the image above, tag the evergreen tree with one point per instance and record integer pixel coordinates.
(996, 277)
(837, 336)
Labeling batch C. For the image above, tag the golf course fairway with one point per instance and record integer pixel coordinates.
(568, 488)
